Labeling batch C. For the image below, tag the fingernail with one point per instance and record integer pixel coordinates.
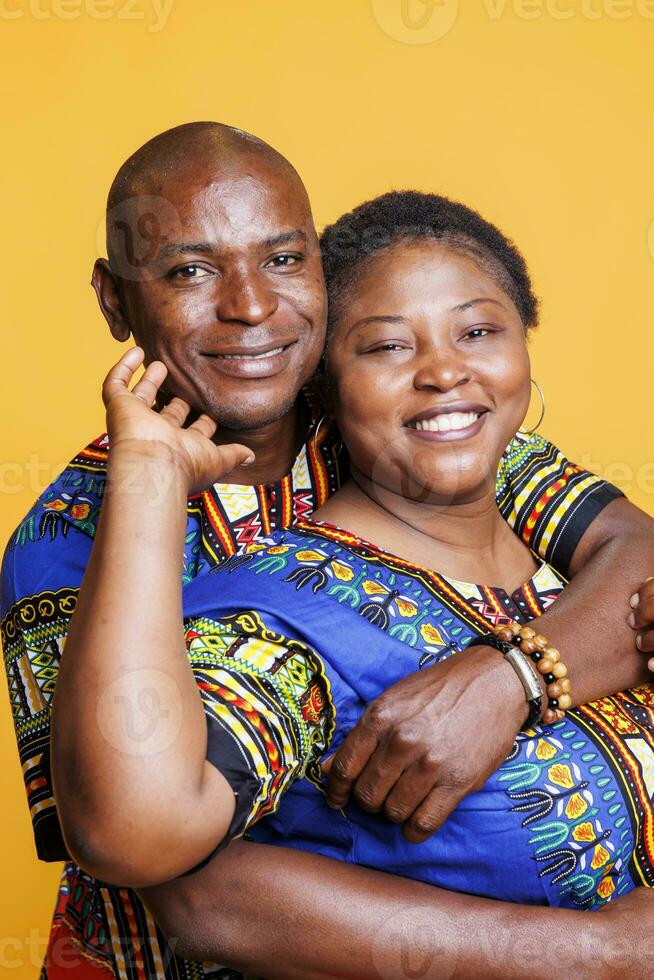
(248, 461)
(650, 663)
(631, 619)
(635, 599)
(649, 578)
(639, 642)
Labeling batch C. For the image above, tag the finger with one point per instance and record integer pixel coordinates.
(646, 589)
(431, 813)
(121, 374)
(230, 456)
(205, 425)
(176, 411)
(411, 790)
(348, 763)
(642, 614)
(146, 388)
(645, 641)
(393, 756)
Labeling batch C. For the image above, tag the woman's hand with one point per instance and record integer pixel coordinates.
(132, 424)
(641, 618)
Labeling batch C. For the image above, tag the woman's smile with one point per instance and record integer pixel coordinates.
(449, 422)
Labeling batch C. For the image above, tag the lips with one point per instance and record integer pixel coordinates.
(451, 409)
(251, 363)
(449, 422)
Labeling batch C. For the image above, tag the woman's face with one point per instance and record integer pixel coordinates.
(430, 373)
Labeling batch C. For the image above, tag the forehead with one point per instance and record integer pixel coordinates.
(237, 205)
(413, 276)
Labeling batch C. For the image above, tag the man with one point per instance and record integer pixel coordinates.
(214, 268)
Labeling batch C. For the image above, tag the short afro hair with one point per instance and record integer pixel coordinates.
(410, 216)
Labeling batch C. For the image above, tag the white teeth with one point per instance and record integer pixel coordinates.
(452, 422)
(250, 357)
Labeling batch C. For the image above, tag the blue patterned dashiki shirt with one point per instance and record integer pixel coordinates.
(105, 930)
(291, 642)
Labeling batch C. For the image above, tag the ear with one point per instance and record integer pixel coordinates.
(109, 297)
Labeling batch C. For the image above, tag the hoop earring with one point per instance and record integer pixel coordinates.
(530, 432)
(315, 434)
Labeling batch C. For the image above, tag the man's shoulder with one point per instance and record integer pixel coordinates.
(72, 499)
(60, 523)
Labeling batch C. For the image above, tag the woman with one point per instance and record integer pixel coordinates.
(427, 374)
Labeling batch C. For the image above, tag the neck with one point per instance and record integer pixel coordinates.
(275, 446)
(466, 540)
(472, 525)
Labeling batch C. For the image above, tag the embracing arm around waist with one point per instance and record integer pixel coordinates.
(354, 923)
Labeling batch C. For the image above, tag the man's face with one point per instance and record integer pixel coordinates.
(231, 297)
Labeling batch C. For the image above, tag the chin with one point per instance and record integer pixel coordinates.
(247, 415)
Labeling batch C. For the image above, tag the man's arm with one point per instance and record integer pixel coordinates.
(424, 720)
(289, 915)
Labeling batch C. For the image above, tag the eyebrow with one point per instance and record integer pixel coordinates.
(284, 238)
(475, 302)
(206, 248)
(377, 319)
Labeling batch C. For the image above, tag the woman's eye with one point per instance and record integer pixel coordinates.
(478, 332)
(390, 346)
(284, 261)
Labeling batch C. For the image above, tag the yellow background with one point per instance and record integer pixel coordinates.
(538, 114)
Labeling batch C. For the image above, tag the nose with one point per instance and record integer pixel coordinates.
(442, 370)
(245, 297)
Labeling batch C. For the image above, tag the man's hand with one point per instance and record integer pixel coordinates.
(133, 425)
(641, 618)
(429, 740)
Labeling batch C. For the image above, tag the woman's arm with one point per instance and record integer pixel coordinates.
(129, 733)
(288, 915)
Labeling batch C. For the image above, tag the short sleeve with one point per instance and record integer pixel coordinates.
(268, 706)
(547, 500)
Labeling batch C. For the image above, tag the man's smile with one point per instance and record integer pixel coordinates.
(252, 362)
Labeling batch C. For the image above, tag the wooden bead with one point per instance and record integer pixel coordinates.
(555, 690)
(504, 634)
(553, 654)
(540, 641)
(560, 670)
(560, 715)
(565, 685)
(549, 716)
(527, 633)
(565, 702)
(528, 647)
(544, 666)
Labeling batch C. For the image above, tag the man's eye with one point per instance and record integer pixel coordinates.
(189, 272)
(284, 261)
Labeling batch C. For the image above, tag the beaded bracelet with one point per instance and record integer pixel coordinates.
(548, 663)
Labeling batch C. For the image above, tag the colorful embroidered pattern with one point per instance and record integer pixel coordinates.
(576, 812)
(44, 564)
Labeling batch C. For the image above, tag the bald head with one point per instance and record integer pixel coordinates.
(196, 153)
(215, 269)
